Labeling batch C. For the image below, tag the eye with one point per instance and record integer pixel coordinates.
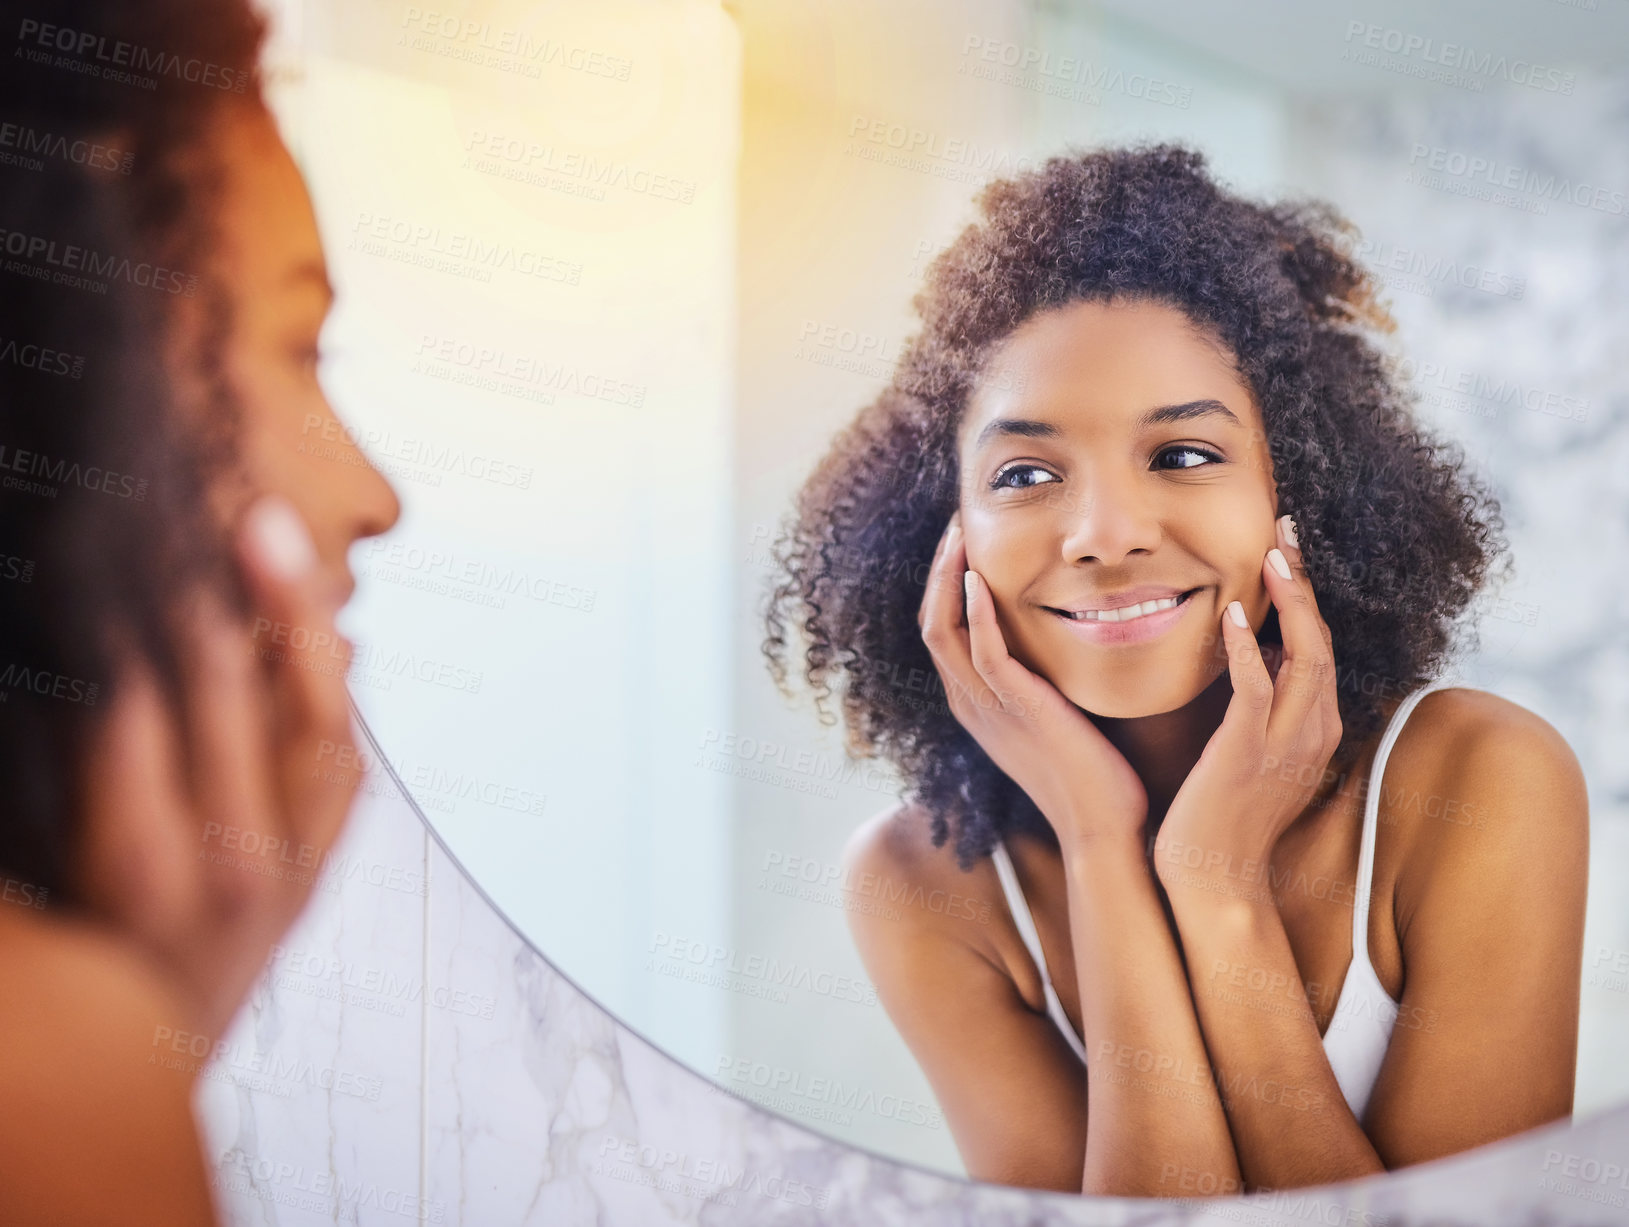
(1021, 476)
(1185, 454)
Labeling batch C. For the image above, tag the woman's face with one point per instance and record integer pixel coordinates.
(1120, 461)
(290, 442)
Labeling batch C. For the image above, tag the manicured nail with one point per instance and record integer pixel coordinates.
(1280, 563)
(280, 538)
(970, 580)
(1289, 532)
(1236, 612)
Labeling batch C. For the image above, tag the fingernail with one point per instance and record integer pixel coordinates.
(280, 538)
(1289, 532)
(1280, 563)
(1236, 612)
(970, 581)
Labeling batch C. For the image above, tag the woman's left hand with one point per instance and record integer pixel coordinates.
(1266, 760)
(207, 823)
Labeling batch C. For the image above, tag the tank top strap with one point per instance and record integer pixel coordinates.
(1371, 819)
(1025, 920)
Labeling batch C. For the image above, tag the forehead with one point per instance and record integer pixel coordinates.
(268, 230)
(1105, 362)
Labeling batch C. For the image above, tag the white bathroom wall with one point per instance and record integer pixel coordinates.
(1134, 84)
(528, 210)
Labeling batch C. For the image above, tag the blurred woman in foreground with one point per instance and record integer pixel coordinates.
(172, 558)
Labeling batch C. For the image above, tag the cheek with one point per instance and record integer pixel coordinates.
(283, 406)
(1241, 573)
(290, 442)
(1232, 533)
(1001, 548)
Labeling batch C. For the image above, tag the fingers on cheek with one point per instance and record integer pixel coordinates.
(1239, 643)
(1249, 669)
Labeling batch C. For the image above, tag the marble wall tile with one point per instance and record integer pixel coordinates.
(313, 1111)
(500, 1095)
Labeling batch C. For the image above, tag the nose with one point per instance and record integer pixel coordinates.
(373, 504)
(1112, 519)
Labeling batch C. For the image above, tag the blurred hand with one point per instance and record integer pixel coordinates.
(205, 828)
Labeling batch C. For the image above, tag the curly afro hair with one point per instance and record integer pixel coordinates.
(1397, 537)
(98, 560)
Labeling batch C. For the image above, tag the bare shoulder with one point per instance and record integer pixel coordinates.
(67, 962)
(1475, 748)
(1489, 909)
(895, 842)
(891, 858)
(1484, 788)
(905, 894)
(1464, 717)
(1004, 1077)
(92, 1115)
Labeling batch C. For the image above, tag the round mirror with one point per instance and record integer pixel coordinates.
(615, 277)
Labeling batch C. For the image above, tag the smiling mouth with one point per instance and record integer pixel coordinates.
(1127, 613)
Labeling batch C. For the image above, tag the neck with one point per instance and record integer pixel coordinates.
(1162, 749)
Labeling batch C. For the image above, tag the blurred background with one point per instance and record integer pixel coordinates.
(612, 274)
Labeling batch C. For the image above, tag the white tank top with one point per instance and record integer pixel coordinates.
(1360, 1029)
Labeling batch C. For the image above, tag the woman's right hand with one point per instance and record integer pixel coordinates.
(206, 828)
(1082, 785)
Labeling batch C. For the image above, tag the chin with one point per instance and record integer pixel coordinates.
(1134, 697)
(1121, 687)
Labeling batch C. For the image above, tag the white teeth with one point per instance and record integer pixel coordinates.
(1128, 612)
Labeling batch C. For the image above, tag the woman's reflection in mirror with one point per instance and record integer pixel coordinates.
(1282, 906)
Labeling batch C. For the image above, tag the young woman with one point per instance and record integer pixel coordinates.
(174, 557)
(1281, 907)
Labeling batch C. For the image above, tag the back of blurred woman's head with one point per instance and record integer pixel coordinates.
(106, 109)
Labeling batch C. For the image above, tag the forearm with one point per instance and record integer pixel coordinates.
(1154, 1113)
(1289, 1120)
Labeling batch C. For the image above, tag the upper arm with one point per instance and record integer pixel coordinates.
(1010, 1088)
(1491, 921)
(92, 1133)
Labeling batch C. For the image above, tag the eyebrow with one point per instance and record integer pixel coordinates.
(1030, 428)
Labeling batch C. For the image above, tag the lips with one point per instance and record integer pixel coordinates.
(1126, 606)
(339, 592)
(1126, 618)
